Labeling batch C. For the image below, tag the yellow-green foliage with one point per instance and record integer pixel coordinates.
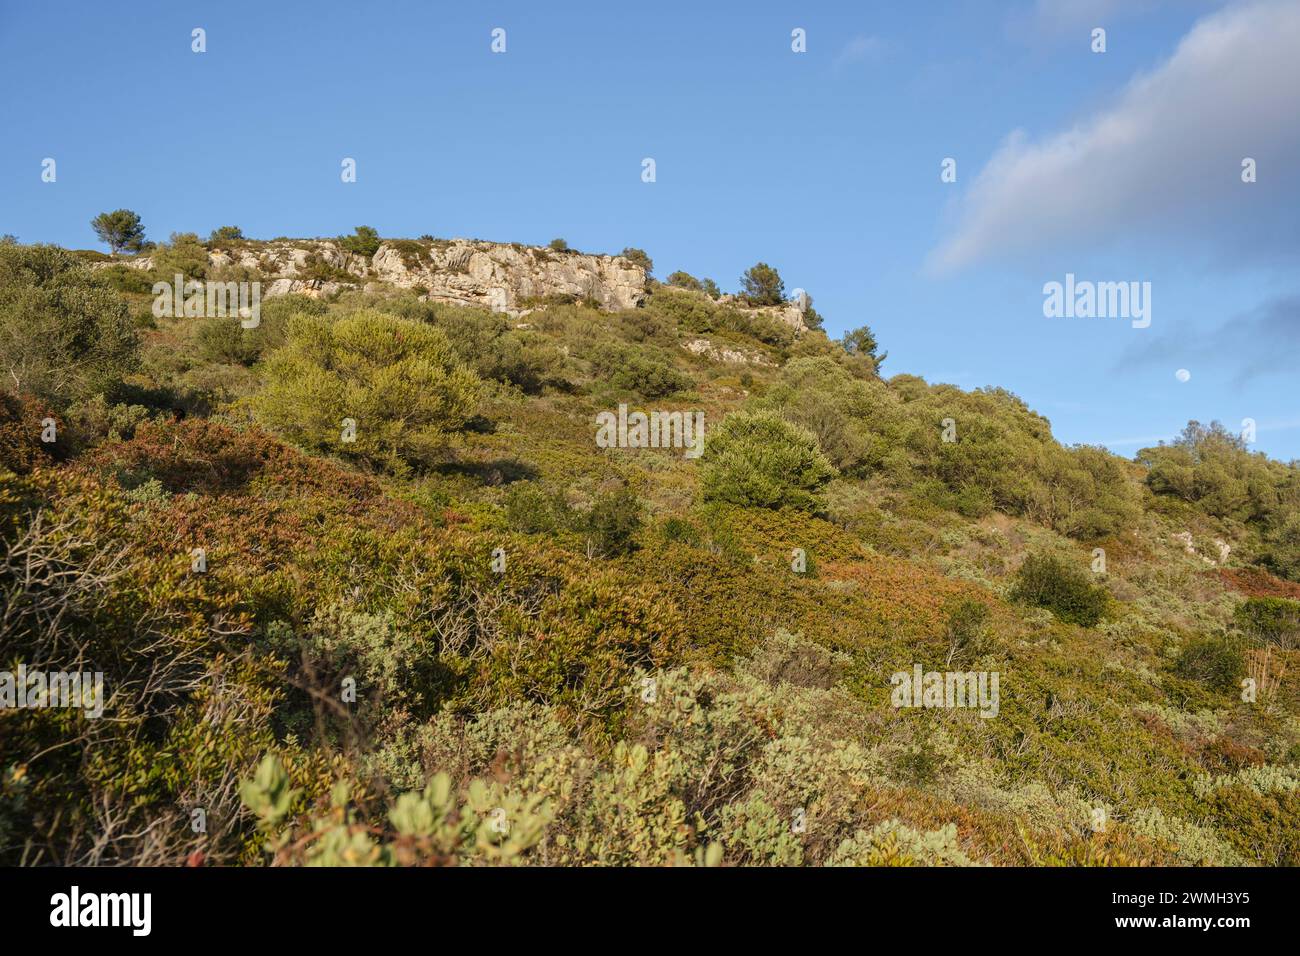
(398, 380)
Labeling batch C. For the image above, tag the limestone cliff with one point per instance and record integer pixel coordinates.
(504, 277)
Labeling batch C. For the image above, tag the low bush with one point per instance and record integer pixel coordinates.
(761, 460)
(1049, 582)
(1270, 620)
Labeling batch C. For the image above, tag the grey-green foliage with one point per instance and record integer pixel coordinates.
(226, 341)
(64, 336)
(766, 766)
(645, 369)
(892, 843)
(492, 824)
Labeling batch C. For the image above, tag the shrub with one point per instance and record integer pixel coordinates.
(819, 395)
(1047, 581)
(21, 448)
(123, 278)
(63, 336)
(1213, 469)
(435, 827)
(225, 234)
(532, 509)
(185, 712)
(646, 370)
(185, 255)
(226, 341)
(964, 629)
(639, 257)
(364, 241)
(612, 523)
(399, 381)
(558, 245)
(1217, 662)
(1270, 620)
(762, 460)
(684, 280)
(700, 314)
(487, 344)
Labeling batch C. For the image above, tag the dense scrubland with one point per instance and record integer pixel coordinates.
(564, 654)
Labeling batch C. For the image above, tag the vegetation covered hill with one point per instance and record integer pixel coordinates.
(462, 630)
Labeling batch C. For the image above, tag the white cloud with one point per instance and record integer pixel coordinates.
(1165, 158)
(858, 48)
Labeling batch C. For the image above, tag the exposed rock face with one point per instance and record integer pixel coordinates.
(730, 356)
(1222, 547)
(791, 313)
(506, 278)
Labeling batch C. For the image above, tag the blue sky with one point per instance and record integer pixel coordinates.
(1119, 166)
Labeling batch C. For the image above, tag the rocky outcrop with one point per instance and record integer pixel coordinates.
(507, 278)
(1221, 547)
(724, 354)
(791, 313)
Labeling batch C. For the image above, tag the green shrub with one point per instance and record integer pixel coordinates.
(1217, 662)
(184, 255)
(64, 337)
(185, 711)
(646, 370)
(495, 351)
(1047, 581)
(532, 509)
(364, 241)
(762, 460)
(612, 523)
(225, 340)
(964, 629)
(1270, 620)
(399, 381)
(638, 257)
(123, 278)
(1213, 469)
(823, 397)
(684, 280)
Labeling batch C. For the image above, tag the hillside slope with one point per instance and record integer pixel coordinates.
(468, 629)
